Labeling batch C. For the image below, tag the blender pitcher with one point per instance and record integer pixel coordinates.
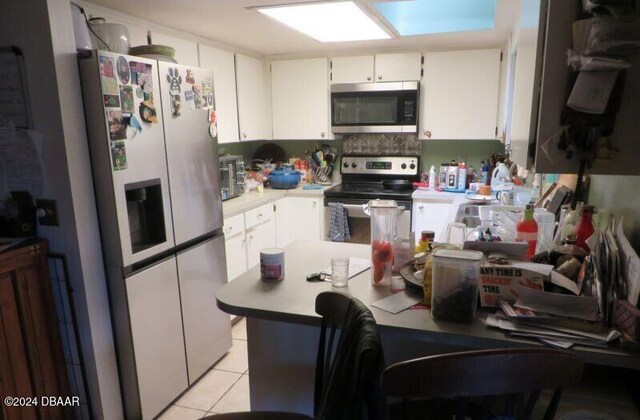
(383, 232)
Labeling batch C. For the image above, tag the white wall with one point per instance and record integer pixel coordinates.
(54, 93)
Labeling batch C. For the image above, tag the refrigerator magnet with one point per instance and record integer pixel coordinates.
(148, 112)
(213, 130)
(140, 73)
(139, 92)
(213, 117)
(188, 95)
(126, 98)
(176, 105)
(107, 76)
(118, 155)
(190, 78)
(111, 101)
(175, 80)
(133, 122)
(124, 72)
(209, 99)
(117, 127)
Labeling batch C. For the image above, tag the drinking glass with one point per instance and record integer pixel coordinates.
(339, 271)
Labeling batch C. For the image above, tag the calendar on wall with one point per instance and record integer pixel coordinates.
(14, 104)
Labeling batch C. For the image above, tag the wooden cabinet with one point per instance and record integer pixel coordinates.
(398, 67)
(379, 68)
(432, 215)
(254, 98)
(300, 99)
(186, 51)
(31, 357)
(222, 63)
(258, 238)
(459, 95)
(356, 69)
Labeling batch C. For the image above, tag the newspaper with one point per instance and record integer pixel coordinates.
(580, 307)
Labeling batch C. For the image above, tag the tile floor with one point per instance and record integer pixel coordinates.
(223, 389)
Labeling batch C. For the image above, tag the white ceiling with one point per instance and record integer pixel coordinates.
(230, 22)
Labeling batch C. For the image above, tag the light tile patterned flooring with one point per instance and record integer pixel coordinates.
(225, 388)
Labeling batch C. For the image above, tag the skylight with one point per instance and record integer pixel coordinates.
(327, 22)
(422, 17)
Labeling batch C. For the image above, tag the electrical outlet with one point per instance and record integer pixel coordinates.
(47, 212)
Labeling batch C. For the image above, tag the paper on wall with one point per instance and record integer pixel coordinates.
(21, 167)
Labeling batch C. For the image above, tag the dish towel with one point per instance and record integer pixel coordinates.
(338, 225)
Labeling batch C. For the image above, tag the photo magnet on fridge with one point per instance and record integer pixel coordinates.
(190, 78)
(126, 98)
(111, 101)
(124, 72)
(117, 126)
(141, 74)
(108, 76)
(176, 105)
(118, 155)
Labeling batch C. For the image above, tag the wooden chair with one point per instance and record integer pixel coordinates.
(471, 384)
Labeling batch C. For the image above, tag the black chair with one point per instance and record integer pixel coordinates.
(479, 384)
(348, 383)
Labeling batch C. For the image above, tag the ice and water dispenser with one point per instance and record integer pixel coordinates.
(146, 214)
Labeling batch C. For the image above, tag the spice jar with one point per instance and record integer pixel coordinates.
(455, 285)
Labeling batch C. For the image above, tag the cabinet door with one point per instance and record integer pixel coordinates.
(186, 51)
(158, 341)
(357, 69)
(284, 229)
(459, 98)
(260, 237)
(236, 247)
(304, 217)
(207, 330)
(300, 99)
(433, 216)
(398, 67)
(254, 98)
(223, 66)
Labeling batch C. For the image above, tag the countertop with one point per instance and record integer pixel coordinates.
(253, 199)
(293, 301)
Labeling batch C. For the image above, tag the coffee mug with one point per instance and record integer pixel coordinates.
(505, 197)
(484, 190)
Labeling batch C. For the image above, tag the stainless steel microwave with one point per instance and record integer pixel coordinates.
(390, 107)
(231, 176)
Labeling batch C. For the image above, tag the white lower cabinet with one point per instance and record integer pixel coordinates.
(236, 256)
(258, 238)
(431, 215)
(298, 218)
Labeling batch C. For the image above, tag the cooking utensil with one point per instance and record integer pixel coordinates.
(398, 184)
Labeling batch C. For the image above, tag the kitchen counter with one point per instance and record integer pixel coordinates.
(282, 327)
(253, 199)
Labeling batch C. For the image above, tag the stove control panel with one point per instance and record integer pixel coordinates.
(380, 165)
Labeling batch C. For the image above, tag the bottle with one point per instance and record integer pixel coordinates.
(442, 175)
(571, 220)
(585, 228)
(432, 178)
(452, 175)
(527, 231)
(423, 243)
(566, 250)
(462, 176)
(484, 168)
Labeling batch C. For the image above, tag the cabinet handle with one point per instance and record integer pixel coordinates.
(259, 215)
(379, 77)
(227, 230)
(421, 207)
(313, 203)
(369, 78)
(244, 135)
(427, 133)
(322, 134)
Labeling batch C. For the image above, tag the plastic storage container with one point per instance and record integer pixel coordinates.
(383, 230)
(454, 295)
(284, 179)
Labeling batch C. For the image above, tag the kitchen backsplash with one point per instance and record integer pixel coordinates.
(381, 144)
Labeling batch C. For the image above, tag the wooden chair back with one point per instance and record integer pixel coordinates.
(459, 377)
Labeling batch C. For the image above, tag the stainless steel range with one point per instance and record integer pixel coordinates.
(366, 178)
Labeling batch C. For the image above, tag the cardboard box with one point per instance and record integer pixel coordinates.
(501, 282)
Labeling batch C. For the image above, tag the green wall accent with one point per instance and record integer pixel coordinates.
(434, 152)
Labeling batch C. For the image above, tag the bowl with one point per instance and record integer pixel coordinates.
(109, 36)
(154, 51)
(284, 179)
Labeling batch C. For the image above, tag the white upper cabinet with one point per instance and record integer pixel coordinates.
(379, 68)
(300, 99)
(224, 86)
(398, 67)
(254, 98)
(357, 69)
(459, 95)
(186, 51)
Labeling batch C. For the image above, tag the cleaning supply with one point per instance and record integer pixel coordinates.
(462, 176)
(432, 178)
(585, 228)
(452, 175)
(442, 175)
(484, 168)
(527, 231)
(499, 176)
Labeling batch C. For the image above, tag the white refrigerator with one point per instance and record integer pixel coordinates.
(153, 142)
